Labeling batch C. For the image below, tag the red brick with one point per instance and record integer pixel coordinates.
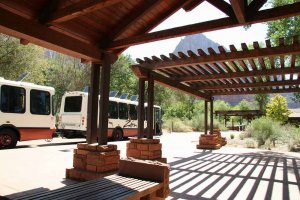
(82, 146)
(82, 152)
(107, 168)
(133, 153)
(92, 147)
(144, 157)
(131, 145)
(133, 140)
(92, 161)
(91, 168)
(142, 146)
(104, 148)
(79, 161)
(155, 146)
(110, 153)
(112, 159)
(75, 151)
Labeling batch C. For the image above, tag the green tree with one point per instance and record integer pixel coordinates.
(261, 101)
(16, 59)
(243, 105)
(277, 108)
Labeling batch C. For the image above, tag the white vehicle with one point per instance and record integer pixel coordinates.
(122, 119)
(25, 112)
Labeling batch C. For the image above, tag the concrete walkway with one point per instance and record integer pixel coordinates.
(228, 173)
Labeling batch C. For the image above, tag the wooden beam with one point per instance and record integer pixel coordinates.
(75, 10)
(93, 104)
(223, 6)
(141, 108)
(47, 11)
(205, 117)
(179, 86)
(16, 26)
(150, 107)
(226, 57)
(240, 74)
(191, 5)
(239, 10)
(108, 60)
(261, 16)
(269, 91)
(249, 85)
(254, 6)
(211, 115)
(144, 7)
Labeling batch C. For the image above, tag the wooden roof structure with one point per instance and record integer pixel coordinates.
(228, 72)
(87, 28)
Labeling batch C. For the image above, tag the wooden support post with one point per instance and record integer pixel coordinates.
(104, 98)
(205, 117)
(141, 108)
(150, 107)
(211, 115)
(93, 105)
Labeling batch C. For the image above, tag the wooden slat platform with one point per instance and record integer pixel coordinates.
(110, 187)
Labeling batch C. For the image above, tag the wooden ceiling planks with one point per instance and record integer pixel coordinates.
(250, 73)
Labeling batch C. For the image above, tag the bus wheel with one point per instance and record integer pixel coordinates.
(117, 134)
(8, 139)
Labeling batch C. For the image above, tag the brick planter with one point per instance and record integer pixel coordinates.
(93, 161)
(145, 149)
(212, 140)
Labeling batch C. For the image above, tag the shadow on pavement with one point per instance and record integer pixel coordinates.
(213, 175)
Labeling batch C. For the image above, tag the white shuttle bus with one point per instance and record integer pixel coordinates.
(122, 119)
(25, 112)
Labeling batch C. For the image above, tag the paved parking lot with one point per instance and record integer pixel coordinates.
(196, 174)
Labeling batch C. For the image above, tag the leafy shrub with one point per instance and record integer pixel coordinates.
(250, 143)
(290, 136)
(177, 125)
(197, 123)
(277, 108)
(263, 129)
(231, 136)
(242, 136)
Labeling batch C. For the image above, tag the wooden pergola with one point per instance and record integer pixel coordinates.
(227, 72)
(98, 31)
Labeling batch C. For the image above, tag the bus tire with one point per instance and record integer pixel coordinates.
(8, 138)
(117, 134)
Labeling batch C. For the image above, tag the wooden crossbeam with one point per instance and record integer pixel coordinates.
(78, 9)
(240, 74)
(222, 6)
(226, 57)
(178, 86)
(132, 17)
(17, 26)
(191, 5)
(239, 10)
(228, 22)
(268, 91)
(254, 6)
(249, 85)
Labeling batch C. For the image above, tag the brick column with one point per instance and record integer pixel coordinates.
(213, 140)
(145, 149)
(92, 161)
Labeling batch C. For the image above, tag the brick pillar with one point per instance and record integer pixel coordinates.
(145, 149)
(92, 161)
(213, 140)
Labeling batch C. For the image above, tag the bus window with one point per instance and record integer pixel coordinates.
(133, 112)
(39, 102)
(123, 111)
(12, 99)
(113, 110)
(73, 104)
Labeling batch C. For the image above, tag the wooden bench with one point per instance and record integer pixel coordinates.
(110, 187)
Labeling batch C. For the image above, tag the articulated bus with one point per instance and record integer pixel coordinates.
(25, 112)
(122, 116)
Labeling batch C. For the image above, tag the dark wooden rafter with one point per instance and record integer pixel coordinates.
(75, 10)
(226, 57)
(250, 85)
(258, 91)
(191, 4)
(48, 10)
(254, 6)
(239, 10)
(261, 16)
(240, 74)
(223, 6)
(17, 26)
